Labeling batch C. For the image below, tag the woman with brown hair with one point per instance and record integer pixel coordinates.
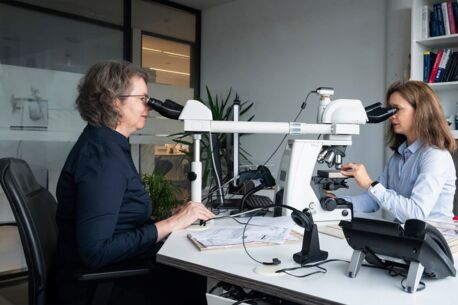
(419, 179)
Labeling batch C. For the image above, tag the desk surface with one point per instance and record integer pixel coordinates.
(371, 286)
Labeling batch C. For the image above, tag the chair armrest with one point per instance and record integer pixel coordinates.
(124, 269)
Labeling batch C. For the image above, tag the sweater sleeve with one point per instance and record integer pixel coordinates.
(101, 183)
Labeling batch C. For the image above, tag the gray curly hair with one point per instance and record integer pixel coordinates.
(98, 89)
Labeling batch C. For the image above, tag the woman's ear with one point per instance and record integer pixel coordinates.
(117, 104)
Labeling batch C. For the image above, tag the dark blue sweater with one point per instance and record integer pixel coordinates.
(103, 215)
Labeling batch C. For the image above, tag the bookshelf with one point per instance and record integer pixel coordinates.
(447, 91)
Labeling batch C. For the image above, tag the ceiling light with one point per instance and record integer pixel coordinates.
(169, 71)
(166, 52)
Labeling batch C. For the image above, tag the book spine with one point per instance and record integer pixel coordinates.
(445, 18)
(451, 17)
(435, 66)
(425, 22)
(439, 19)
(432, 24)
(455, 13)
(442, 65)
(449, 67)
(426, 65)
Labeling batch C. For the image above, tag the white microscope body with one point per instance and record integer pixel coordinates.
(337, 121)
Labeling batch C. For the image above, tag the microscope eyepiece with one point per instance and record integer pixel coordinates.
(169, 109)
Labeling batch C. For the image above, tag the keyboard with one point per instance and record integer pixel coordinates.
(258, 201)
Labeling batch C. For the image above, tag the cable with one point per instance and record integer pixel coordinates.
(243, 237)
(214, 165)
(304, 104)
(204, 222)
(217, 188)
(306, 266)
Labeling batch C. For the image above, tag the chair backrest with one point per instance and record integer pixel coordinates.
(34, 209)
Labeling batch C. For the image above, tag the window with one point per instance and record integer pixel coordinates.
(168, 62)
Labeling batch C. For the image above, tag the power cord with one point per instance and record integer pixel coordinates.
(304, 104)
(393, 271)
(218, 182)
(306, 266)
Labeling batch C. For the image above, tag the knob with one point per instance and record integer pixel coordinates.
(192, 176)
(328, 203)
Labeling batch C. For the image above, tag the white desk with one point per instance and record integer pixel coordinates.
(371, 286)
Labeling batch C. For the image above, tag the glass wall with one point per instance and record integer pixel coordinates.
(168, 61)
(47, 46)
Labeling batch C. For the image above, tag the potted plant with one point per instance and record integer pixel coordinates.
(163, 194)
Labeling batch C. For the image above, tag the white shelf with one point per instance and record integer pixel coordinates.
(444, 86)
(440, 42)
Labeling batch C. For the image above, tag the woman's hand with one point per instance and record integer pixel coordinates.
(182, 217)
(188, 213)
(358, 172)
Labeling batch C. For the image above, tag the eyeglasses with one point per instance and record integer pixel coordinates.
(143, 97)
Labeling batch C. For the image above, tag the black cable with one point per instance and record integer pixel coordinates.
(204, 222)
(391, 270)
(306, 266)
(243, 237)
(250, 300)
(304, 104)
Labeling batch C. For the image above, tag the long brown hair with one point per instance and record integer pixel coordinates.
(430, 124)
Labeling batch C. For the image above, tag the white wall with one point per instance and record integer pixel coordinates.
(274, 52)
(398, 44)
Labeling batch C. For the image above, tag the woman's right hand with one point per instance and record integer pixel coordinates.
(182, 218)
(189, 213)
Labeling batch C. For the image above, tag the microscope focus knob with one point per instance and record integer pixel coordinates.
(328, 203)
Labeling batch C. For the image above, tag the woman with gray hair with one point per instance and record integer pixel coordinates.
(103, 215)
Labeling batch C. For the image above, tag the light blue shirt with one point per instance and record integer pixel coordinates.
(418, 182)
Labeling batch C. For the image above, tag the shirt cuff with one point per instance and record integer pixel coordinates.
(377, 192)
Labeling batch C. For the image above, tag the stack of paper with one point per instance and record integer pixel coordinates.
(260, 231)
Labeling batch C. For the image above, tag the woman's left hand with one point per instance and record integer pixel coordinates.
(357, 171)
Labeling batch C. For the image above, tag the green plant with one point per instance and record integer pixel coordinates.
(163, 195)
(221, 110)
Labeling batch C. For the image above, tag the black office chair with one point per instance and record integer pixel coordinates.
(34, 209)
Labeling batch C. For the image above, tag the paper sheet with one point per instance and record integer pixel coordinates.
(224, 236)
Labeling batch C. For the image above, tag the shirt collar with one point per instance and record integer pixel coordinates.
(109, 134)
(412, 148)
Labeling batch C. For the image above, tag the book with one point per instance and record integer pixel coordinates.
(445, 18)
(439, 19)
(442, 65)
(449, 67)
(433, 73)
(454, 70)
(432, 24)
(451, 17)
(455, 13)
(425, 22)
(428, 62)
